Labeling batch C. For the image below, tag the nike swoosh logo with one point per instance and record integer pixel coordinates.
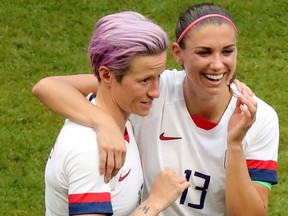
(162, 137)
(121, 178)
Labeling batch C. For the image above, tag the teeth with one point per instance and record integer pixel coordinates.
(214, 77)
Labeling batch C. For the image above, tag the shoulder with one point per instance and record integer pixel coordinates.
(265, 111)
(75, 139)
(73, 131)
(265, 130)
(77, 148)
(171, 85)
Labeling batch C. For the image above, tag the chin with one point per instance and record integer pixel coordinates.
(142, 113)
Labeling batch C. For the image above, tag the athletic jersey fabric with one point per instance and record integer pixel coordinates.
(196, 148)
(72, 179)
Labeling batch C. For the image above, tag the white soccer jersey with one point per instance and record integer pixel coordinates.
(170, 137)
(73, 183)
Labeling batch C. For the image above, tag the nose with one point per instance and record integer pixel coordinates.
(217, 62)
(153, 90)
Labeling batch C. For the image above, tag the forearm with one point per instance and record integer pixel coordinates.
(242, 197)
(64, 99)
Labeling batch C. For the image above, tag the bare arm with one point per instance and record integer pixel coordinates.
(243, 197)
(64, 95)
(53, 93)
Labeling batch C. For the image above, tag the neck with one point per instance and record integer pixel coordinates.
(209, 107)
(105, 101)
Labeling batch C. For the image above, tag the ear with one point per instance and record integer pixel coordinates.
(176, 51)
(105, 75)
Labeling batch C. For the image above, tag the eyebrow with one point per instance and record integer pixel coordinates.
(203, 47)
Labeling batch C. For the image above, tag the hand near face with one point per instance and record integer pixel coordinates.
(242, 119)
(243, 88)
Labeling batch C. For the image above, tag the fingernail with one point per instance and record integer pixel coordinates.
(244, 106)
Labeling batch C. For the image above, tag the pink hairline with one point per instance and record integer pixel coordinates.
(202, 18)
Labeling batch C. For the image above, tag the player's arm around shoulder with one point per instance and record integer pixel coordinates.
(167, 187)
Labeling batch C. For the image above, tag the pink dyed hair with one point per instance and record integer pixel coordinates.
(119, 37)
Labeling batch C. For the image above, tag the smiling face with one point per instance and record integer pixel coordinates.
(140, 84)
(209, 57)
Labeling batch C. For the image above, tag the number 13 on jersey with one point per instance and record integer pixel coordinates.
(201, 189)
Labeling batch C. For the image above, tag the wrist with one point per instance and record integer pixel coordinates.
(156, 205)
(153, 205)
(234, 147)
(234, 144)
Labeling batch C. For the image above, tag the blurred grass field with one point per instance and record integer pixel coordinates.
(43, 38)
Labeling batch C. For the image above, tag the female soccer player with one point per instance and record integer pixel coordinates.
(125, 50)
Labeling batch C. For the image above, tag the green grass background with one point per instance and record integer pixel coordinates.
(40, 38)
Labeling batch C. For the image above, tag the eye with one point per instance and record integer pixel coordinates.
(228, 52)
(144, 81)
(204, 53)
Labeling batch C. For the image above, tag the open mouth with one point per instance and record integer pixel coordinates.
(214, 77)
(147, 104)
